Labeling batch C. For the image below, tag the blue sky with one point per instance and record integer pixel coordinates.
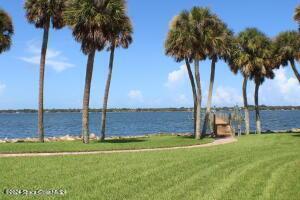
(143, 76)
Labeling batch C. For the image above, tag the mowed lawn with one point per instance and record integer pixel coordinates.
(256, 167)
(152, 141)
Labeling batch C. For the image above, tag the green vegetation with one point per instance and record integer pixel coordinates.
(156, 141)
(256, 167)
(254, 66)
(195, 36)
(287, 49)
(6, 31)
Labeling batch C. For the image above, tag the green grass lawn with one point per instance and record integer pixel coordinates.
(256, 167)
(155, 141)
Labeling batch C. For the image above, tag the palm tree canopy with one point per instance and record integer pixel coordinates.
(297, 14)
(221, 40)
(287, 47)
(253, 55)
(6, 31)
(201, 21)
(119, 31)
(92, 20)
(213, 36)
(198, 34)
(42, 12)
(180, 39)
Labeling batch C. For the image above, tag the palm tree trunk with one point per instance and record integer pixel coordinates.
(86, 97)
(41, 83)
(209, 98)
(105, 100)
(199, 98)
(295, 69)
(257, 115)
(246, 110)
(188, 66)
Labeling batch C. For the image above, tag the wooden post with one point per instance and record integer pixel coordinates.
(230, 124)
(214, 125)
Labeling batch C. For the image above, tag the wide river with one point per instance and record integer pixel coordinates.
(24, 125)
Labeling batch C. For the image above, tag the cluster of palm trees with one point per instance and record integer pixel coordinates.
(97, 25)
(194, 36)
(199, 34)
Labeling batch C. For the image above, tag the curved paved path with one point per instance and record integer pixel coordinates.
(215, 143)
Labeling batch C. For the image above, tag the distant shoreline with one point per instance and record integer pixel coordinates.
(76, 110)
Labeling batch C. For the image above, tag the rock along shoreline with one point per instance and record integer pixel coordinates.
(93, 136)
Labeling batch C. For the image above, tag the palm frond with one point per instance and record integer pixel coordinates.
(96, 23)
(6, 31)
(41, 13)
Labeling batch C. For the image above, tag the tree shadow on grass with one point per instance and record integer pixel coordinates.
(186, 136)
(125, 140)
(296, 135)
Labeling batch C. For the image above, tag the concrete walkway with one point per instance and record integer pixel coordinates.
(215, 143)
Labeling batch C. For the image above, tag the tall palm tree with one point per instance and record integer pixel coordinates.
(201, 22)
(88, 20)
(256, 61)
(297, 15)
(179, 44)
(119, 33)
(6, 31)
(187, 40)
(241, 61)
(287, 46)
(220, 40)
(43, 14)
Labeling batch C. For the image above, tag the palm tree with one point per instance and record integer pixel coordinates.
(287, 46)
(119, 33)
(6, 31)
(256, 61)
(43, 13)
(179, 44)
(240, 61)
(89, 20)
(202, 21)
(220, 39)
(187, 40)
(297, 15)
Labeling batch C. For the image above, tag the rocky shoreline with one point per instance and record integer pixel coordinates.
(93, 136)
(67, 138)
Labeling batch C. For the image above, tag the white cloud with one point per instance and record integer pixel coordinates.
(227, 96)
(176, 77)
(287, 85)
(283, 90)
(136, 95)
(2, 87)
(54, 58)
(182, 100)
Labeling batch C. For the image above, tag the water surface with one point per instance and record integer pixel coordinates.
(24, 125)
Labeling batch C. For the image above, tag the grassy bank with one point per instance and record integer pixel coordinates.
(155, 141)
(256, 167)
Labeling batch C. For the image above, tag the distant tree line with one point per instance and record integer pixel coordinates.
(181, 109)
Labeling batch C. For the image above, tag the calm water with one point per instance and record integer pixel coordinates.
(121, 124)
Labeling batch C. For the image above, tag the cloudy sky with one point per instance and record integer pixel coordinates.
(143, 76)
